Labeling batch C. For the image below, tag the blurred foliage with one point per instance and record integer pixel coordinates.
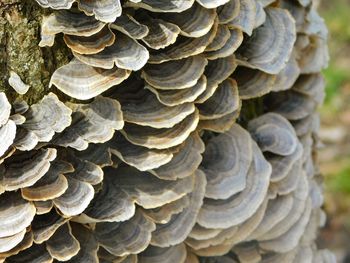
(336, 14)
(339, 181)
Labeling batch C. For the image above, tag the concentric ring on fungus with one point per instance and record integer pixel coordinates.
(181, 131)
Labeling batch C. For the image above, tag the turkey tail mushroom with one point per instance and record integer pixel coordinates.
(178, 131)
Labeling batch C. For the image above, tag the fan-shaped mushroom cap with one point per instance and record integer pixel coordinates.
(83, 82)
(129, 26)
(178, 74)
(161, 33)
(43, 207)
(281, 165)
(212, 3)
(213, 80)
(300, 196)
(311, 85)
(238, 208)
(126, 188)
(35, 253)
(225, 239)
(50, 186)
(277, 209)
(241, 234)
(253, 83)
(17, 118)
(180, 96)
(224, 101)
(56, 4)
(170, 254)
(137, 156)
(26, 242)
(143, 108)
(88, 245)
(92, 123)
(67, 22)
(226, 162)
(325, 256)
(176, 230)
(273, 133)
(91, 44)
(217, 251)
(212, 241)
(183, 47)
(16, 214)
(288, 184)
(222, 124)
(246, 228)
(75, 199)
(5, 109)
(161, 138)
(228, 11)
(125, 53)
(266, 3)
(222, 35)
(315, 56)
(9, 242)
(304, 254)
(260, 15)
(84, 170)
(26, 168)
(307, 124)
(101, 210)
(278, 33)
(7, 136)
(44, 119)
(141, 187)
(163, 214)
(128, 237)
(216, 72)
(98, 154)
(296, 105)
(248, 252)
(176, 6)
(231, 45)
(44, 226)
(17, 84)
(19, 106)
(289, 240)
(24, 140)
(201, 233)
(195, 22)
(63, 245)
(245, 19)
(105, 11)
(287, 76)
(184, 162)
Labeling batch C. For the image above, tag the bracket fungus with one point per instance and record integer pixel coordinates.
(180, 131)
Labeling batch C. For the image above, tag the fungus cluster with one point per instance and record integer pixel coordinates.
(154, 159)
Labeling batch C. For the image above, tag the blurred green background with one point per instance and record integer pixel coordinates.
(334, 158)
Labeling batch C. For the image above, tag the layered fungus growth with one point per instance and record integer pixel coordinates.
(178, 131)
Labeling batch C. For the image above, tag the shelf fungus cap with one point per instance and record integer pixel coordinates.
(17, 83)
(84, 82)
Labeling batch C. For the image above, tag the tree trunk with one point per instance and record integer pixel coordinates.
(20, 52)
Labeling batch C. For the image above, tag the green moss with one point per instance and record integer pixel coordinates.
(19, 51)
(340, 181)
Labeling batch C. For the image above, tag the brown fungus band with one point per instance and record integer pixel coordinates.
(155, 156)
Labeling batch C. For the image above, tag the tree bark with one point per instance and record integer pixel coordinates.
(19, 50)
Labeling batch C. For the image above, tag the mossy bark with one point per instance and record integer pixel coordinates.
(19, 50)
